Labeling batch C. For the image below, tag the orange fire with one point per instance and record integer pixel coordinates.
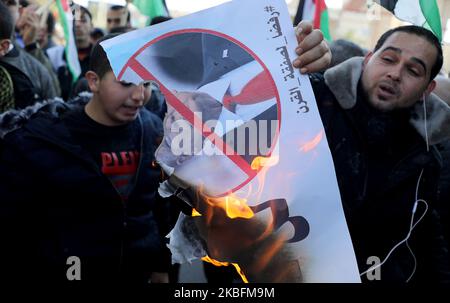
(261, 162)
(240, 272)
(310, 145)
(195, 213)
(214, 262)
(236, 207)
(218, 263)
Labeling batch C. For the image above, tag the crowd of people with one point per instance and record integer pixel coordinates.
(78, 175)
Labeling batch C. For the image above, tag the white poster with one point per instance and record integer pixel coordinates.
(227, 76)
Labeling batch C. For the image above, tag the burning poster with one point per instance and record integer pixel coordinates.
(243, 142)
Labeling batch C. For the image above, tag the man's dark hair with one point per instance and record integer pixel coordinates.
(6, 22)
(342, 50)
(83, 10)
(99, 62)
(97, 33)
(423, 33)
(120, 30)
(50, 23)
(118, 8)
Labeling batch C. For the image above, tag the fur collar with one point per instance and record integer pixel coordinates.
(339, 77)
(15, 119)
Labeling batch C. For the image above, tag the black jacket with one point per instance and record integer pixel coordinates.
(31, 80)
(444, 189)
(377, 172)
(56, 203)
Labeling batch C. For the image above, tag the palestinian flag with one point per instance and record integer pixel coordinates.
(315, 11)
(423, 13)
(66, 18)
(152, 8)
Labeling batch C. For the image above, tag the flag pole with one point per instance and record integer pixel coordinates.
(299, 14)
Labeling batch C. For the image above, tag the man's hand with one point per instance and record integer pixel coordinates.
(29, 25)
(313, 52)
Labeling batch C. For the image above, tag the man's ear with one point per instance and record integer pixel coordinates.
(367, 58)
(430, 87)
(4, 46)
(93, 81)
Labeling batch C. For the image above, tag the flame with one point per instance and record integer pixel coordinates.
(260, 162)
(218, 263)
(240, 272)
(214, 262)
(262, 165)
(236, 207)
(310, 145)
(195, 213)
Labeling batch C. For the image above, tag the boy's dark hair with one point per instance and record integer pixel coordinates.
(6, 22)
(99, 62)
(159, 19)
(119, 7)
(423, 33)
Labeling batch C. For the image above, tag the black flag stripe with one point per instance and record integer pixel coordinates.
(388, 4)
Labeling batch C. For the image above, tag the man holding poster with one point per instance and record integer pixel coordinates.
(288, 192)
(384, 175)
(382, 124)
(382, 137)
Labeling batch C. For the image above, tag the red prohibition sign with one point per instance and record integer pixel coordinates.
(189, 115)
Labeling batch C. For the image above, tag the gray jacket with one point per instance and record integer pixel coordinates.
(35, 71)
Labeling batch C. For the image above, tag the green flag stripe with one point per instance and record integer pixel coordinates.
(63, 18)
(151, 8)
(324, 25)
(430, 11)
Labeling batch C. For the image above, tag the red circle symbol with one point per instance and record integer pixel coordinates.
(194, 47)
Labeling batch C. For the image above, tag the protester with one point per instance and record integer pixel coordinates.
(83, 27)
(31, 81)
(96, 34)
(95, 179)
(384, 153)
(385, 160)
(117, 16)
(30, 36)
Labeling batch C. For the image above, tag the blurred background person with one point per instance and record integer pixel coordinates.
(31, 80)
(117, 16)
(96, 34)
